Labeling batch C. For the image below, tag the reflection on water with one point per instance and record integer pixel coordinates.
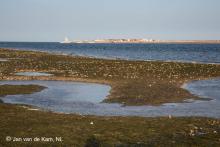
(85, 98)
(32, 74)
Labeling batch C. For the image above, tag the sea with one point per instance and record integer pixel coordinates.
(196, 53)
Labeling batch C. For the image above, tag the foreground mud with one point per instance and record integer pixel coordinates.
(78, 130)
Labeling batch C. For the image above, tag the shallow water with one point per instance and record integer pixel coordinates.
(3, 60)
(86, 98)
(205, 53)
(32, 74)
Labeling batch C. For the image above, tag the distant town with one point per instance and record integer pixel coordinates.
(66, 40)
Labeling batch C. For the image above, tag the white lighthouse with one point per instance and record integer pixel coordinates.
(66, 40)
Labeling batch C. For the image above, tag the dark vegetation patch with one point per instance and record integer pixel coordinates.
(19, 89)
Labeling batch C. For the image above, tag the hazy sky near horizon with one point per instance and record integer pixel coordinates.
(52, 20)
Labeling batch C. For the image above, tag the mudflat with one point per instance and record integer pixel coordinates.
(132, 82)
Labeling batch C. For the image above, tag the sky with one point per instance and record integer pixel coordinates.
(52, 20)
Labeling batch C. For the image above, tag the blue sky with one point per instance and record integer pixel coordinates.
(52, 20)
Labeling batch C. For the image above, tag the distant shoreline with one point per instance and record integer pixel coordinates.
(191, 41)
(109, 42)
(144, 41)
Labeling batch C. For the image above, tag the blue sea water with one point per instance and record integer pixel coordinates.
(203, 53)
